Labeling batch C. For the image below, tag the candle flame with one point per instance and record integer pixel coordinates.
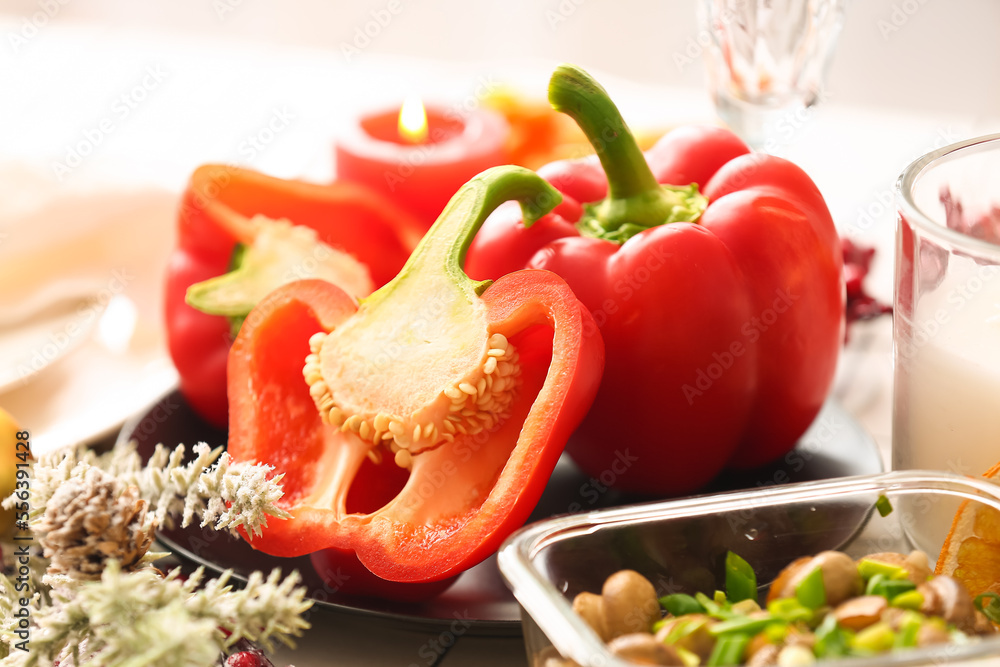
(413, 121)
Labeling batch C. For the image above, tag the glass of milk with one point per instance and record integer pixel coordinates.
(946, 320)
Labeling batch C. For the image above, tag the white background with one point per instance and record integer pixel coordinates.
(914, 54)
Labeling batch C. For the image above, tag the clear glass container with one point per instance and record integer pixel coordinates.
(946, 312)
(680, 546)
(767, 61)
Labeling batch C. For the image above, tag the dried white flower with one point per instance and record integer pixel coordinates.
(90, 514)
(223, 494)
(92, 519)
(142, 618)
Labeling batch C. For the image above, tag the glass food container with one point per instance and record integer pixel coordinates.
(680, 546)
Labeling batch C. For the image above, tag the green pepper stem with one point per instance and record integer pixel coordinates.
(636, 201)
(446, 243)
(576, 94)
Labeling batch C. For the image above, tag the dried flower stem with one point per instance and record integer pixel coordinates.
(223, 494)
(128, 619)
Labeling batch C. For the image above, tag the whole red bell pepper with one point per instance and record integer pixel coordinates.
(720, 298)
(218, 211)
(417, 430)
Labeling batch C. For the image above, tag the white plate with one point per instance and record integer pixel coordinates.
(84, 272)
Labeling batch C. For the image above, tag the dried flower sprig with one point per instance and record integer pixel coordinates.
(94, 599)
(224, 494)
(127, 619)
(93, 519)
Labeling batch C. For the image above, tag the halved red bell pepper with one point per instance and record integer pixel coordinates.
(721, 303)
(217, 212)
(419, 429)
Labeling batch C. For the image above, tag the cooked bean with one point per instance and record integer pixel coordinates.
(590, 607)
(841, 579)
(858, 613)
(945, 597)
(630, 603)
(642, 648)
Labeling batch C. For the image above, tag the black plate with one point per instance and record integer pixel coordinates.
(835, 446)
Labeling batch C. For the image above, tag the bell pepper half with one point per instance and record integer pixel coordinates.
(715, 276)
(417, 430)
(224, 206)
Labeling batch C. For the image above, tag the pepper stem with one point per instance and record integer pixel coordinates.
(446, 243)
(636, 201)
(576, 94)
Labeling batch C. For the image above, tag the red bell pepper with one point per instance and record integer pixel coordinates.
(218, 211)
(419, 429)
(722, 328)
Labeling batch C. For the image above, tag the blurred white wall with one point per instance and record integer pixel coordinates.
(915, 54)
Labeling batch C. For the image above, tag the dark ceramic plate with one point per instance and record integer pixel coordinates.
(835, 446)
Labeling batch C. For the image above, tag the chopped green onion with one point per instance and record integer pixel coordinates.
(869, 568)
(909, 627)
(790, 610)
(687, 657)
(776, 632)
(989, 604)
(831, 639)
(909, 600)
(728, 650)
(684, 627)
(741, 581)
(883, 506)
(744, 624)
(712, 608)
(679, 604)
(890, 588)
(873, 583)
(876, 638)
(811, 591)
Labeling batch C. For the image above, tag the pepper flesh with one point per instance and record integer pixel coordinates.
(217, 212)
(452, 503)
(722, 332)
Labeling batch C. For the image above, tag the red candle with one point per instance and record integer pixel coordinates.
(422, 169)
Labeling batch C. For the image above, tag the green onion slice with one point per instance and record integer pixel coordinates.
(728, 650)
(989, 604)
(741, 581)
(680, 604)
(883, 505)
(811, 591)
